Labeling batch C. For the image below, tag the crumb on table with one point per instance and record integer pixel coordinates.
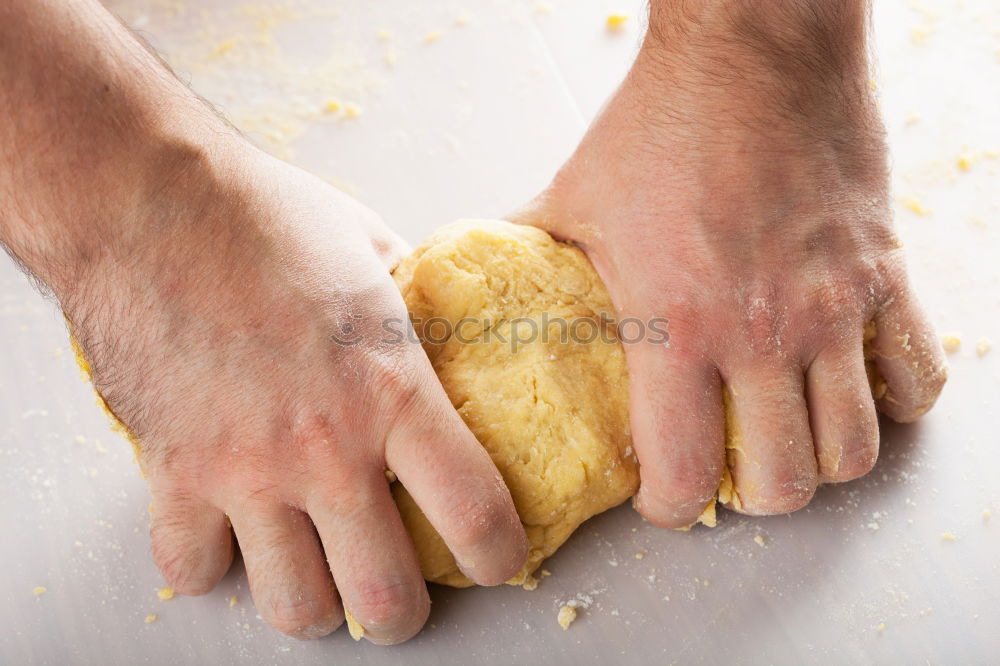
(951, 342)
(566, 617)
(914, 205)
(616, 21)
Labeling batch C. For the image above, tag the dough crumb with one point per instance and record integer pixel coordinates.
(152, 617)
(964, 163)
(165, 593)
(948, 536)
(432, 37)
(39, 591)
(331, 106)
(383, 35)
(530, 583)
(544, 8)
(759, 540)
(616, 21)
(233, 600)
(986, 514)
(546, 572)
(566, 617)
(914, 205)
(640, 555)
(881, 627)
(983, 346)
(353, 626)
(463, 18)
(224, 47)
(80, 439)
(951, 342)
(352, 110)
(920, 34)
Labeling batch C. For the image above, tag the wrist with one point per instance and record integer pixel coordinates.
(143, 203)
(799, 65)
(95, 130)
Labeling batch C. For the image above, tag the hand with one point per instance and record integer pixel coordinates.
(243, 345)
(231, 309)
(737, 185)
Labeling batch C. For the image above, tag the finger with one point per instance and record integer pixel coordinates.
(770, 450)
(842, 413)
(371, 555)
(677, 429)
(909, 360)
(289, 579)
(454, 482)
(191, 542)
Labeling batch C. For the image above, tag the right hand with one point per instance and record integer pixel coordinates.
(212, 327)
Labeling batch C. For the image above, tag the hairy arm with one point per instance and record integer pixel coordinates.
(95, 129)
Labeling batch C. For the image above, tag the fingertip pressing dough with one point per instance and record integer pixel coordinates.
(552, 409)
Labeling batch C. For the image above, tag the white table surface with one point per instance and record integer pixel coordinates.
(471, 125)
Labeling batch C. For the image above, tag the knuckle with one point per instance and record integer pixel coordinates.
(859, 458)
(791, 498)
(299, 616)
(380, 602)
(314, 433)
(860, 463)
(394, 382)
(184, 568)
(676, 498)
(934, 379)
(891, 266)
(780, 498)
(476, 520)
(835, 302)
(762, 320)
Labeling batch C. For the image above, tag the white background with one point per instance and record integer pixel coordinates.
(473, 124)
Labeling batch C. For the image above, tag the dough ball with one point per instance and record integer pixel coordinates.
(520, 331)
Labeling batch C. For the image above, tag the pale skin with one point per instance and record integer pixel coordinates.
(741, 171)
(736, 184)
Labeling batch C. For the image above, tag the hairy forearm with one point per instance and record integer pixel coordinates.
(806, 60)
(92, 127)
(790, 37)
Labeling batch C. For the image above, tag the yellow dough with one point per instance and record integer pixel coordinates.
(553, 412)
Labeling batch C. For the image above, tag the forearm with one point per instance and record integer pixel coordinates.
(92, 127)
(806, 60)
